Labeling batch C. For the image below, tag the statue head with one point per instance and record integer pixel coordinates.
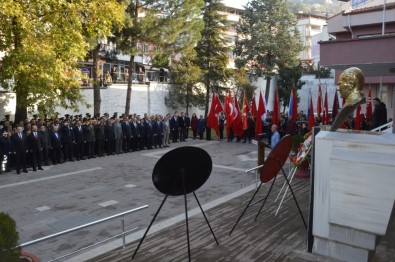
(351, 83)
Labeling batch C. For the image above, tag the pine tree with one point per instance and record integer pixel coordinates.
(213, 49)
(185, 90)
(287, 78)
(268, 38)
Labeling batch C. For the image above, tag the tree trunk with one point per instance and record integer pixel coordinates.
(21, 109)
(129, 90)
(267, 89)
(20, 90)
(131, 61)
(96, 82)
(207, 94)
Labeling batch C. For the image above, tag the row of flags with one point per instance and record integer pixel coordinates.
(237, 119)
(335, 108)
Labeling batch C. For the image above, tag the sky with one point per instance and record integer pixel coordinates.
(239, 3)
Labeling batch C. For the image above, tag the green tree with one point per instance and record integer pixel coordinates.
(213, 49)
(170, 25)
(242, 81)
(185, 89)
(44, 41)
(268, 37)
(288, 77)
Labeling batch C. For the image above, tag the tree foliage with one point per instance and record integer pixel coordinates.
(288, 77)
(171, 26)
(44, 41)
(268, 38)
(185, 90)
(213, 49)
(242, 81)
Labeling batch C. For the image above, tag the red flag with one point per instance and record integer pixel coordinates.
(311, 114)
(369, 106)
(335, 107)
(246, 110)
(259, 115)
(294, 115)
(319, 102)
(326, 109)
(276, 113)
(229, 111)
(253, 106)
(237, 124)
(216, 107)
(358, 118)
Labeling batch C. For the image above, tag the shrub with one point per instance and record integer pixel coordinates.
(8, 239)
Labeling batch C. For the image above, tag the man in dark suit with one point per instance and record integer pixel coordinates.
(135, 134)
(126, 133)
(181, 125)
(67, 134)
(143, 134)
(79, 137)
(174, 127)
(187, 124)
(158, 132)
(110, 137)
(19, 149)
(45, 142)
(34, 145)
(149, 132)
(56, 145)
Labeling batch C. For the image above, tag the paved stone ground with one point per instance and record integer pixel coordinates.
(75, 193)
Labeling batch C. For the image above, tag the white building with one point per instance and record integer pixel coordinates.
(309, 27)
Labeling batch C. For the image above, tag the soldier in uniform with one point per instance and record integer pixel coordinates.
(90, 138)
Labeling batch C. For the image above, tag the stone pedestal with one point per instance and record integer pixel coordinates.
(353, 192)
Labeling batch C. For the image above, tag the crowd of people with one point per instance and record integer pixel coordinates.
(42, 142)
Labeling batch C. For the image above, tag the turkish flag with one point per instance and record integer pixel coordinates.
(259, 116)
(229, 111)
(276, 110)
(246, 110)
(237, 123)
(216, 107)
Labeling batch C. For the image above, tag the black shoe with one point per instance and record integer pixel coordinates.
(40, 168)
(35, 170)
(18, 172)
(24, 171)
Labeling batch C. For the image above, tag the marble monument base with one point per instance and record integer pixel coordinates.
(354, 192)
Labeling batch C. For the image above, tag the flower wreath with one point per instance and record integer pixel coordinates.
(303, 151)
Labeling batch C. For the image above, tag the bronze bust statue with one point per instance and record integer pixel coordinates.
(351, 83)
